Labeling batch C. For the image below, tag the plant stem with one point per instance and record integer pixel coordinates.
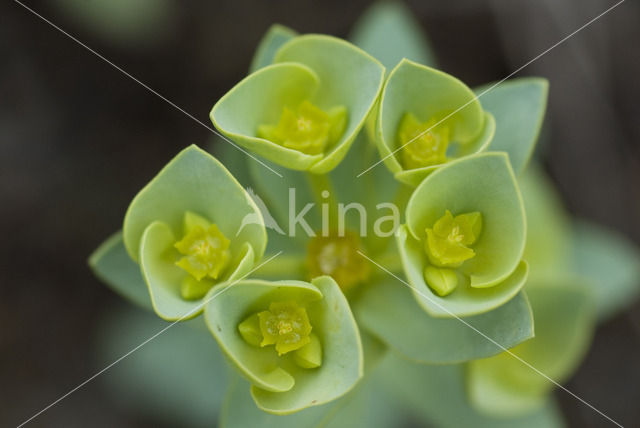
(283, 266)
(321, 183)
(391, 261)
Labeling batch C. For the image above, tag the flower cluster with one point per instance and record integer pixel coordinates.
(302, 323)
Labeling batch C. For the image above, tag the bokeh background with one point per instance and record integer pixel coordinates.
(78, 139)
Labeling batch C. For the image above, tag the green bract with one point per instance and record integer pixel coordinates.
(280, 384)
(610, 264)
(390, 33)
(423, 110)
(435, 394)
(547, 253)
(505, 386)
(496, 272)
(387, 309)
(325, 71)
(111, 263)
(181, 205)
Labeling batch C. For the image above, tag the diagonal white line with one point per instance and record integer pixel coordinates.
(186, 315)
(493, 86)
(487, 337)
(147, 87)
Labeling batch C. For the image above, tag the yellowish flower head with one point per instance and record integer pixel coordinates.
(449, 240)
(337, 256)
(285, 325)
(308, 129)
(206, 255)
(423, 144)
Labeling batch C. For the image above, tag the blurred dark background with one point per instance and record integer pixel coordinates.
(78, 139)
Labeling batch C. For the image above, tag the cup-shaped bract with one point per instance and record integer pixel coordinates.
(281, 383)
(191, 227)
(564, 313)
(427, 118)
(320, 73)
(482, 185)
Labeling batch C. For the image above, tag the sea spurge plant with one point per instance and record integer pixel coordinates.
(184, 230)
(296, 342)
(426, 118)
(431, 260)
(305, 110)
(464, 238)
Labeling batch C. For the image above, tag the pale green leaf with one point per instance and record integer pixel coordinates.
(233, 158)
(111, 263)
(389, 311)
(564, 315)
(610, 263)
(389, 32)
(179, 377)
(435, 394)
(549, 252)
(276, 36)
(518, 105)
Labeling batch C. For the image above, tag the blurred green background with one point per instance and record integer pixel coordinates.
(78, 139)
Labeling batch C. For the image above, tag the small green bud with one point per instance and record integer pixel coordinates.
(192, 289)
(250, 330)
(442, 281)
(310, 355)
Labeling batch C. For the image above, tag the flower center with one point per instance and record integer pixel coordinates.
(285, 325)
(308, 129)
(449, 240)
(423, 144)
(455, 235)
(205, 252)
(337, 256)
(447, 246)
